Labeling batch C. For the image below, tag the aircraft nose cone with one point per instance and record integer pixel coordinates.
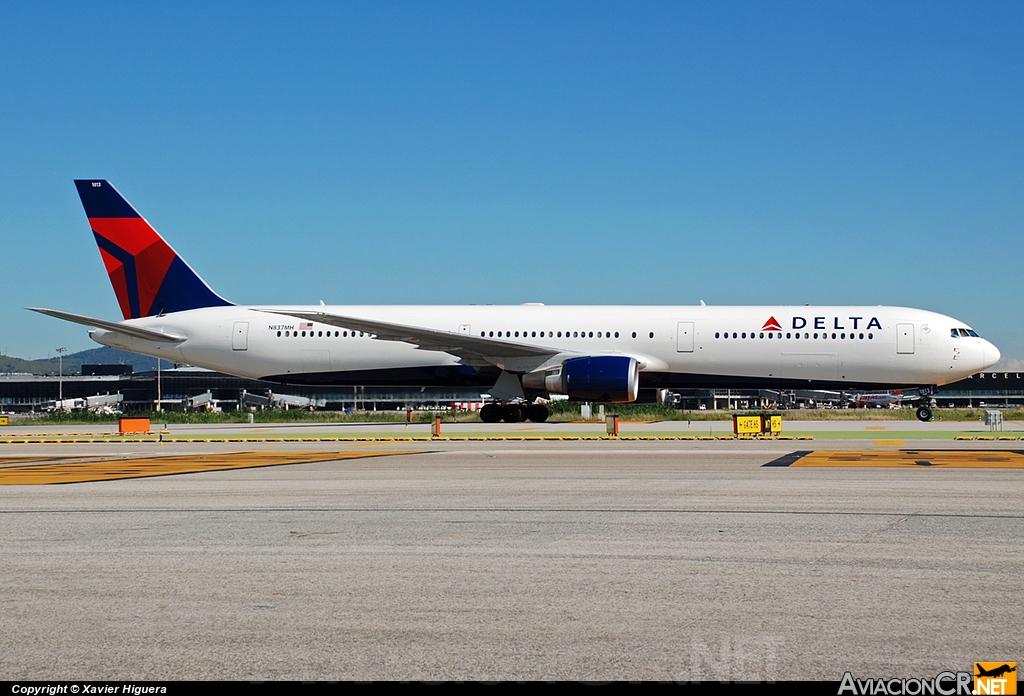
(991, 354)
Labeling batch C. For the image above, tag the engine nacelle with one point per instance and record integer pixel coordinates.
(612, 378)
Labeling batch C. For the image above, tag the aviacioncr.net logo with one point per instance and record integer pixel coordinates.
(995, 678)
(944, 684)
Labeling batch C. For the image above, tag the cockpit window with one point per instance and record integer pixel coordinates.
(953, 333)
(971, 332)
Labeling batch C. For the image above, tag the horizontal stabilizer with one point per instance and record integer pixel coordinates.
(121, 327)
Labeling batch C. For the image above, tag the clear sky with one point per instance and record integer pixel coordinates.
(480, 152)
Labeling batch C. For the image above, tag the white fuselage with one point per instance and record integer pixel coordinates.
(893, 346)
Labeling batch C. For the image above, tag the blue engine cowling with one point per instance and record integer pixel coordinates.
(613, 378)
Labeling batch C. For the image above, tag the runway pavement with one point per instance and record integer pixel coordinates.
(672, 560)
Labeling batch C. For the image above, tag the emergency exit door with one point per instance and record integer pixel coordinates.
(684, 337)
(905, 338)
(240, 336)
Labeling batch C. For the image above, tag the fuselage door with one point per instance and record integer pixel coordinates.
(905, 338)
(240, 336)
(684, 337)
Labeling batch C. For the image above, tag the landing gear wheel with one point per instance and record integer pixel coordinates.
(513, 413)
(538, 413)
(490, 413)
(924, 414)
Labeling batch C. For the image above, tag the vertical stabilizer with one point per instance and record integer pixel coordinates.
(149, 278)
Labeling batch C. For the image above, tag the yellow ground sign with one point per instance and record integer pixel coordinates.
(748, 424)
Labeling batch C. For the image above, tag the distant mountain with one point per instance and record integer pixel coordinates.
(73, 362)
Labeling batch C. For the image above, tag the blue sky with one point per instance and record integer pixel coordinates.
(597, 153)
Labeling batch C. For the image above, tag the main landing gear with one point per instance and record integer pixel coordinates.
(924, 413)
(514, 412)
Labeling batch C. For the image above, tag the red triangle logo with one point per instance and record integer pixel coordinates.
(771, 325)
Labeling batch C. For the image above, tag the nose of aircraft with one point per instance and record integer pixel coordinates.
(990, 354)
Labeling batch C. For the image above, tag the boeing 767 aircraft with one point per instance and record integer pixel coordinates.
(516, 353)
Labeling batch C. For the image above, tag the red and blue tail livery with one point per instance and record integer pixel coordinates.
(149, 278)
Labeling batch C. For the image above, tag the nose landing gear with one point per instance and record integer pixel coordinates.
(924, 411)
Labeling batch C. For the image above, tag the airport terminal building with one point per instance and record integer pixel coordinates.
(193, 388)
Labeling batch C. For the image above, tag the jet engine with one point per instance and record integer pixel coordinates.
(612, 379)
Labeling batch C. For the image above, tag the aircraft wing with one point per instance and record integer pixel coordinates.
(121, 327)
(473, 348)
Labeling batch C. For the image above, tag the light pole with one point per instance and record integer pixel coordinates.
(60, 373)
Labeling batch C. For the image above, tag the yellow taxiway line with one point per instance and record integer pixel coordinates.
(958, 459)
(19, 471)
